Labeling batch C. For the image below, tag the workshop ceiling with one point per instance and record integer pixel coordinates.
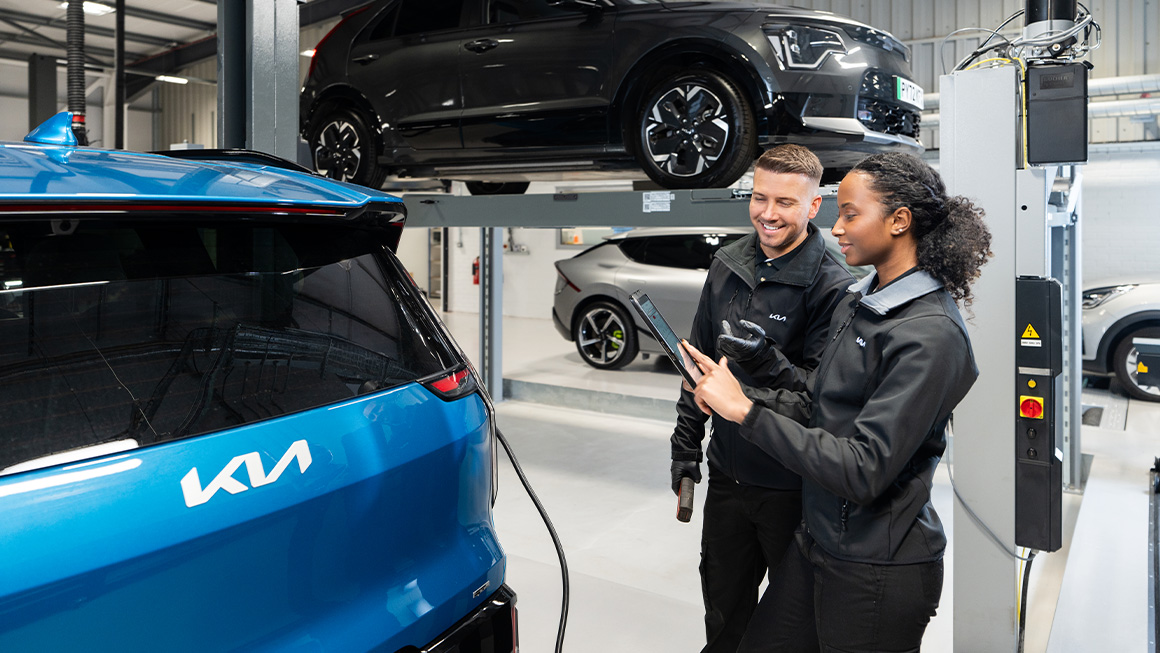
(151, 27)
(154, 29)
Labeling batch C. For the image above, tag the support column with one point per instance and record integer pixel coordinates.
(42, 103)
(258, 76)
(985, 575)
(491, 311)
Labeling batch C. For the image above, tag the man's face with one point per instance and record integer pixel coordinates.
(781, 206)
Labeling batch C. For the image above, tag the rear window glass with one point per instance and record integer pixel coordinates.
(690, 252)
(141, 332)
(422, 16)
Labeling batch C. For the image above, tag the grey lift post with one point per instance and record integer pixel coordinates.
(1033, 217)
(258, 76)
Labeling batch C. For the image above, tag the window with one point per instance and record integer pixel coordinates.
(384, 26)
(422, 16)
(512, 11)
(157, 330)
(690, 252)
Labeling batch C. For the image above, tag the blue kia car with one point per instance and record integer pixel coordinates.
(228, 418)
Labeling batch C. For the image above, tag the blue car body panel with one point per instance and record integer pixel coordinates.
(368, 538)
(38, 172)
(358, 525)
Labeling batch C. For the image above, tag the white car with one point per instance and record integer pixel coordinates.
(1115, 312)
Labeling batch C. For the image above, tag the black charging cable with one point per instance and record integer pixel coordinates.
(1023, 601)
(555, 538)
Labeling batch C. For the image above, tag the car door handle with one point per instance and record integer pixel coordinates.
(481, 45)
(366, 58)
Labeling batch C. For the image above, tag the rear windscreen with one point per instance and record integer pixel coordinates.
(144, 331)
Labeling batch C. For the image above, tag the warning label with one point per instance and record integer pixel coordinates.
(1029, 332)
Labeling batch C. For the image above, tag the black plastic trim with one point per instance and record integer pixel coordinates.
(491, 627)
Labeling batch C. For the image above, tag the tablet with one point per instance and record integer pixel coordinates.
(664, 335)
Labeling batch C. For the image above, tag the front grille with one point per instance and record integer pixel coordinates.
(880, 111)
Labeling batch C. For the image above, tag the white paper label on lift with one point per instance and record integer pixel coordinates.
(1030, 342)
(657, 201)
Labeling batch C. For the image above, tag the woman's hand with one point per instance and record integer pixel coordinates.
(718, 391)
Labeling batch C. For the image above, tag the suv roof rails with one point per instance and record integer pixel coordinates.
(236, 155)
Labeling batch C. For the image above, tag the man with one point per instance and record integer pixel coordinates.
(782, 280)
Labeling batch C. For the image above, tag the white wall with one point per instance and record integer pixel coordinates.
(1121, 226)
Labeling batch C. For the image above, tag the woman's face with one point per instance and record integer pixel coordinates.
(863, 230)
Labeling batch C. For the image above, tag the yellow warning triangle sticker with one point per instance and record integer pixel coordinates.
(1029, 332)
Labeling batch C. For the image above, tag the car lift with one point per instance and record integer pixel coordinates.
(493, 213)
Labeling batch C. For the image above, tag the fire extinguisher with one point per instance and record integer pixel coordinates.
(475, 271)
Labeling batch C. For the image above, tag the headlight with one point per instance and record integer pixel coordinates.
(799, 46)
(1099, 296)
(878, 39)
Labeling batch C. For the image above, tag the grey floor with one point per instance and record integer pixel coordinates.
(603, 477)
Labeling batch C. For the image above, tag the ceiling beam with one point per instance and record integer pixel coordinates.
(91, 52)
(59, 23)
(144, 71)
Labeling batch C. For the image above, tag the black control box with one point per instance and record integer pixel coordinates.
(1057, 116)
(1038, 392)
(1147, 361)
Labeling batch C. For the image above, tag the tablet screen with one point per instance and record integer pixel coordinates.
(666, 337)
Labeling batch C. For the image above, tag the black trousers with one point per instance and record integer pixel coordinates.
(837, 606)
(746, 531)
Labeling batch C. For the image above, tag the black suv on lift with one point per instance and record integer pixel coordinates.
(513, 90)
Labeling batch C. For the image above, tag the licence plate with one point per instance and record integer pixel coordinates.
(908, 92)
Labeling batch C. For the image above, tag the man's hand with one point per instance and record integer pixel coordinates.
(742, 346)
(683, 468)
(718, 391)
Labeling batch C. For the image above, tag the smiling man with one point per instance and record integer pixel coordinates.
(783, 280)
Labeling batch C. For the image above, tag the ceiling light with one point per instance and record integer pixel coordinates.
(92, 8)
(171, 80)
(307, 53)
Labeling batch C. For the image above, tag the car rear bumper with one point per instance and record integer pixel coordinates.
(491, 627)
(563, 330)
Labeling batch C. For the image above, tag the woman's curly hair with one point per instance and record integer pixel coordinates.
(953, 240)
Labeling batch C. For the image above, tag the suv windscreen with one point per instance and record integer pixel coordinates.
(144, 331)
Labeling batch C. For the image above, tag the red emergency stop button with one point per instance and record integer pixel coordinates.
(1031, 407)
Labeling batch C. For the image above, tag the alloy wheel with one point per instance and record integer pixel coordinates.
(601, 336)
(338, 152)
(686, 130)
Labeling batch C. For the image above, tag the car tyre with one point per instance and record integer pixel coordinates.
(1124, 364)
(605, 336)
(496, 188)
(695, 130)
(344, 148)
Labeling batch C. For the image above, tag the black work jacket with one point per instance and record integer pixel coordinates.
(899, 362)
(794, 306)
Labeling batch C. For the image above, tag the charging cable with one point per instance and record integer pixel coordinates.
(555, 538)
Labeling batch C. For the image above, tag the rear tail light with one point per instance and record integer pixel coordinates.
(318, 48)
(453, 386)
(564, 281)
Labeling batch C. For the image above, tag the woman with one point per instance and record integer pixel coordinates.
(866, 572)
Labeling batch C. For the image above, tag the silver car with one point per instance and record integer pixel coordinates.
(591, 305)
(1115, 312)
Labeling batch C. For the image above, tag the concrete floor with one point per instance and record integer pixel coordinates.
(603, 477)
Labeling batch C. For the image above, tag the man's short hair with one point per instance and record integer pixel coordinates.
(791, 159)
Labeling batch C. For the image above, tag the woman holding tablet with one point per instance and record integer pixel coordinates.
(866, 572)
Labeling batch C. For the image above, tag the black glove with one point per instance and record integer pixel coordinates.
(738, 347)
(683, 468)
